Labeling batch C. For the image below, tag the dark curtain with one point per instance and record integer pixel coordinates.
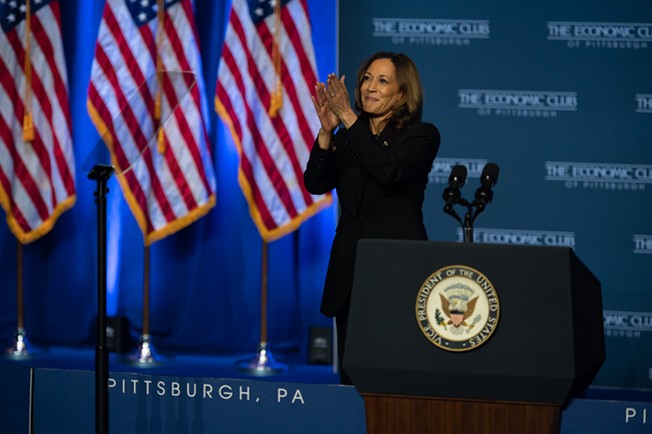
(205, 280)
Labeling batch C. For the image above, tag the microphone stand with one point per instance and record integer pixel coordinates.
(467, 227)
(101, 174)
(483, 196)
(469, 217)
(467, 224)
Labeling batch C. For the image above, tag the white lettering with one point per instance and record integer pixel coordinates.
(244, 393)
(603, 31)
(225, 392)
(160, 386)
(298, 397)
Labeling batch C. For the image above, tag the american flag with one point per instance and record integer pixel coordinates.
(267, 48)
(167, 179)
(37, 171)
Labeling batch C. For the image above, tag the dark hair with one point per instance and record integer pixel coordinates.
(410, 107)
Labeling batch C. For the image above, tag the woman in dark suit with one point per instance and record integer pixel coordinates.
(378, 161)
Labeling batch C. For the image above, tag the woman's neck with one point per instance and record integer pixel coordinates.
(377, 124)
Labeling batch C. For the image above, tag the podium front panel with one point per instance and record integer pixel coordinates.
(548, 344)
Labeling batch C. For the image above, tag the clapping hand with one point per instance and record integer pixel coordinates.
(331, 101)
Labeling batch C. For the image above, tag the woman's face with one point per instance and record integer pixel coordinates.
(379, 90)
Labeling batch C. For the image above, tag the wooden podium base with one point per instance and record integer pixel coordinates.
(423, 415)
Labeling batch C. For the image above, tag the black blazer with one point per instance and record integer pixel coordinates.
(380, 183)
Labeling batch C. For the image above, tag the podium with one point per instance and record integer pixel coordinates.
(547, 344)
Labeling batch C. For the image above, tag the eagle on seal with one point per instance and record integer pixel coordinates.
(458, 309)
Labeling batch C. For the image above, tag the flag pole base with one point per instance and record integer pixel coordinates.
(263, 363)
(145, 354)
(20, 348)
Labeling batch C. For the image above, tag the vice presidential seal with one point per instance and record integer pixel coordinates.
(457, 308)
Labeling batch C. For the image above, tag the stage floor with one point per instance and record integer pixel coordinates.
(295, 364)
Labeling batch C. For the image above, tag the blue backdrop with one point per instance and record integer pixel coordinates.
(559, 95)
(205, 279)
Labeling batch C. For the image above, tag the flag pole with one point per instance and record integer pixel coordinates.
(20, 346)
(263, 363)
(263, 292)
(145, 354)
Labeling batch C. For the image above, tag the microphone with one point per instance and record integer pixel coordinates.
(456, 181)
(483, 195)
(457, 177)
(489, 178)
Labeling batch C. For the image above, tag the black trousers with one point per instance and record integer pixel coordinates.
(342, 322)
